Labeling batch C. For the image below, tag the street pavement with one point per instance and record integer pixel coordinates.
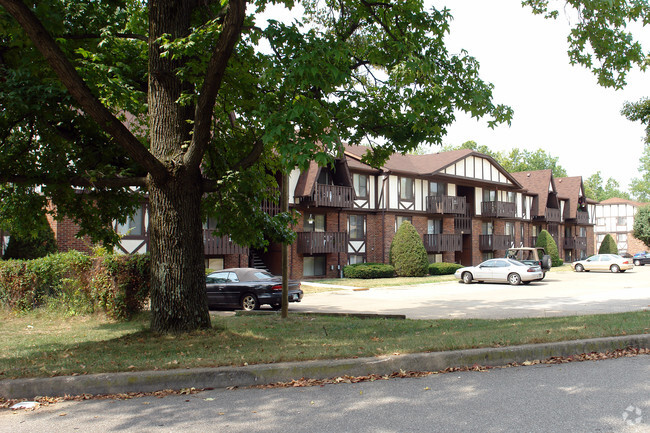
(601, 396)
(561, 293)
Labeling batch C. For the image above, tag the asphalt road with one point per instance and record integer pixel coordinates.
(602, 396)
(561, 293)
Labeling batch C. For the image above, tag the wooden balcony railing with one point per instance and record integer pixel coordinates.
(446, 204)
(581, 243)
(553, 215)
(582, 217)
(569, 243)
(270, 207)
(442, 242)
(332, 196)
(213, 245)
(498, 209)
(495, 242)
(322, 242)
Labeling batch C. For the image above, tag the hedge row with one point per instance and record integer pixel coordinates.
(443, 268)
(77, 283)
(368, 270)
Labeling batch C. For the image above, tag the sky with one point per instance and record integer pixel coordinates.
(558, 107)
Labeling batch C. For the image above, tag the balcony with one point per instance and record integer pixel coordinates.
(331, 196)
(498, 209)
(322, 242)
(582, 217)
(553, 215)
(495, 242)
(219, 246)
(569, 243)
(439, 243)
(446, 204)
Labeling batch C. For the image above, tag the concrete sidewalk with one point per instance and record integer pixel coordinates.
(223, 377)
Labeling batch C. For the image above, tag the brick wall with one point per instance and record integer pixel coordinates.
(634, 245)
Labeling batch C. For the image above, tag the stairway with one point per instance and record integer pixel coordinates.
(256, 261)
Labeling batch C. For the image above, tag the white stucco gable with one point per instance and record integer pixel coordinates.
(476, 167)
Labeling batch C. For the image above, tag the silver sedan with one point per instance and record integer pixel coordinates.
(500, 271)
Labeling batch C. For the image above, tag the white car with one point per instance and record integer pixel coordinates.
(500, 271)
(603, 262)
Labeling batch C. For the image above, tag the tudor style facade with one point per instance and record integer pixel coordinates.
(465, 206)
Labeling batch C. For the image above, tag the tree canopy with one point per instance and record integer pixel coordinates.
(641, 228)
(595, 189)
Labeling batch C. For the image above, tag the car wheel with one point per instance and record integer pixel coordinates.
(547, 262)
(637, 263)
(614, 268)
(579, 268)
(276, 306)
(249, 302)
(514, 279)
(467, 277)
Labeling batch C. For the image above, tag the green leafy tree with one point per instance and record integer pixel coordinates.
(640, 111)
(641, 228)
(594, 188)
(31, 246)
(525, 160)
(197, 104)
(608, 245)
(546, 241)
(407, 252)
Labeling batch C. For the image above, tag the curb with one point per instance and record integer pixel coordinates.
(223, 377)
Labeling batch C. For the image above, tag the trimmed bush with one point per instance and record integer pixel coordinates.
(407, 252)
(608, 246)
(77, 284)
(546, 241)
(443, 268)
(368, 271)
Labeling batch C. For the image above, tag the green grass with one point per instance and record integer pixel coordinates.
(385, 282)
(41, 343)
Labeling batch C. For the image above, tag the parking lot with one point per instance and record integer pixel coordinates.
(560, 293)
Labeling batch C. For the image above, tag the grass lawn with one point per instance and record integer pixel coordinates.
(42, 343)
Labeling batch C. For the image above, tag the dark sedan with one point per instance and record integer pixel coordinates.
(248, 288)
(641, 259)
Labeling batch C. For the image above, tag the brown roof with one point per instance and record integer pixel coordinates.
(617, 200)
(306, 181)
(537, 182)
(569, 188)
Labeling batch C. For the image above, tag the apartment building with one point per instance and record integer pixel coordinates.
(464, 204)
(615, 216)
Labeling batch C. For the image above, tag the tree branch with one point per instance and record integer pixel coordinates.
(98, 36)
(80, 91)
(210, 185)
(115, 182)
(215, 72)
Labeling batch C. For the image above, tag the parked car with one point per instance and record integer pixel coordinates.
(531, 256)
(642, 253)
(603, 262)
(641, 259)
(248, 288)
(501, 271)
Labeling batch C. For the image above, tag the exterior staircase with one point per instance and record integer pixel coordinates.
(256, 261)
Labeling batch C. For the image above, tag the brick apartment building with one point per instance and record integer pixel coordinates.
(615, 216)
(466, 207)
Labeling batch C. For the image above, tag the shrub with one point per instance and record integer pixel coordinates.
(608, 246)
(443, 268)
(26, 247)
(407, 252)
(546, 241)
(77, 284)
(368, 270)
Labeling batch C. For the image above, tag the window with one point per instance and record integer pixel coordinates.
(435, 258)
(534, 231)
(601, 238)
(620, 221)
(436, 188)
(313, 266)
(600, 221)
(486, 228)
(510, 229)
(360, 185)
(400, 219)
(621, 237)
(511, 197)
(489, 195)
(522, 233)
(488, 255)
(567, 231)
(406, 188)
(356, 227)
(134, 225)
(355, 258)
(324, 177)
(434, 227)
(313, 222)
(583, 232)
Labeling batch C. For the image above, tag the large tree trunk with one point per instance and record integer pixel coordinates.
(178, 298)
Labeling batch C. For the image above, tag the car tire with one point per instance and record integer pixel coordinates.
(579, 268)
(546, 262)
(615, 269)
(525, 282)
(467, 277)
(514, 279)
(637, 263)
(276, 307)
(249, 302)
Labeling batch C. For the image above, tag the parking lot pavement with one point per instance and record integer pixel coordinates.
(561, 293)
